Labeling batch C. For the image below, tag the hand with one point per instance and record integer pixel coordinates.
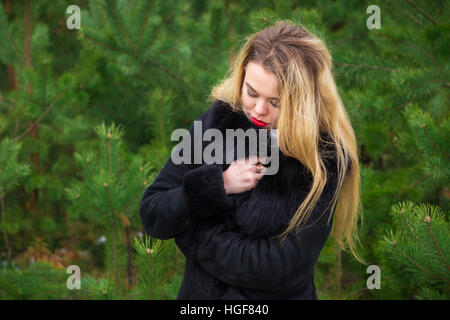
(241, 177)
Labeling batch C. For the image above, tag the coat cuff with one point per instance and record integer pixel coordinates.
(204, 191)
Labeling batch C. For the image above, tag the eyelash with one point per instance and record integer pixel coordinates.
(254, 96)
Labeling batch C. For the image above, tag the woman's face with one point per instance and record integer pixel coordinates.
(260, 96)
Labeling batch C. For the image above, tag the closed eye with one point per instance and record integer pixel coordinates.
(252, 95)
(255, 96)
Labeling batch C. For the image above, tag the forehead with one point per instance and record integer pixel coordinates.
(264, 82)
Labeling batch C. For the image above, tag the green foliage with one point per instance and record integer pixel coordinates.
(111, 183)
(395, 91)
(109, 195)
(100, 289)
(12, 171)
(149, 66)
(417, 250)
(149, 259)
(39, 281)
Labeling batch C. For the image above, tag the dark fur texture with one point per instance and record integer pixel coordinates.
(277, 194)
(227, 239)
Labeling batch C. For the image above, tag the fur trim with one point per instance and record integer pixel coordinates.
(267, 209)
(204, 190)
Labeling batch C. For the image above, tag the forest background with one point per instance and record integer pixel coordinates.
(86, 116)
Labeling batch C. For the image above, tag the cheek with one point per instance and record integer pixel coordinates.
(246, 101)
(276, 115)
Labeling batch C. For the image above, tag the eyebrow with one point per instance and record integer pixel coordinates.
(275, 98)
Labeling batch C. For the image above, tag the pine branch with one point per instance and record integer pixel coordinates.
(422, 12)
(144, 23)
(114, 230)
(428, 222)
(407, 14)
(416, 263)
(100, 11)
(119, 24)
(150, 272)
(36, 122)
(12, 106)
(412, 184)
(434, 144)
(152, 41)
(27, 49)
(129, 252)
(431, 57)
(8, 36)
(114, 222)
(412, 100)
(168, 71)
(109, 154)
(412, 44)
(420, 85)
(15, 99)
(88, 205)
(104, 45)
(90, 169)
(403, 214)
(152, 62)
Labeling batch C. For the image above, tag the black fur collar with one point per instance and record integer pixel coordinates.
(267, 209)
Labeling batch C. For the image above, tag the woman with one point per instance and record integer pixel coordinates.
(247, 235)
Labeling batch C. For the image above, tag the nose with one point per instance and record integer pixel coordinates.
(261, 108)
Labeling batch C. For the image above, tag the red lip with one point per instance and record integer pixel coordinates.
(259, 123)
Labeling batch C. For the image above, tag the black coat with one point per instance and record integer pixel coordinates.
(226, 239)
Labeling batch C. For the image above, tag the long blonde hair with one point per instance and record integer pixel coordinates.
(309, 104)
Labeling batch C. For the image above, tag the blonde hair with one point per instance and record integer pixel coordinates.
(309, 104)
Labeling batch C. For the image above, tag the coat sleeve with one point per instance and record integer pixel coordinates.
(265, 264)
(182, 193)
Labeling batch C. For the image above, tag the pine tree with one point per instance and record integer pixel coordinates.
(143, 53)
(395, 89)
(40, 107)
(108, 195)
(149, 263)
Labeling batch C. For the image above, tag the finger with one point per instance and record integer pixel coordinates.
(262, 171)
(240, 161)
(259, 176)
(262, 159)
(259, 168)
(252, 160)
